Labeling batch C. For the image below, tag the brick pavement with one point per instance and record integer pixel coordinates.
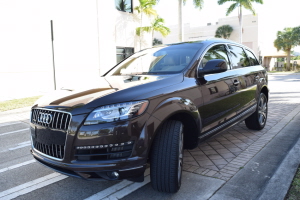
(223, 155)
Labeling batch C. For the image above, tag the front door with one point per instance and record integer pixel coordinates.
(218, 91)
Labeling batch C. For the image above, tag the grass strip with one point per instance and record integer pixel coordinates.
(17, 103)
(294, 191)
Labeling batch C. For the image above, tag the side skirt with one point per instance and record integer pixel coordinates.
(225, 125)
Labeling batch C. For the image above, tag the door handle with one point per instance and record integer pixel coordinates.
(236, 82)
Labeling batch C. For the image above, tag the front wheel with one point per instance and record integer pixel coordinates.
(257, 120)
(167, 157)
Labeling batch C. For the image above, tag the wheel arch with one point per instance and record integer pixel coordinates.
(265, 90)
(183, 110)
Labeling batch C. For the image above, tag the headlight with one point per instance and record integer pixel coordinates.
(116, 112)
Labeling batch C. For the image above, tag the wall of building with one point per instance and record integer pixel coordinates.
(86, 34)
(250, 31)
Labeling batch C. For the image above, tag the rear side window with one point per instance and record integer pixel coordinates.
(216, 52)
(252, 58)
(238, 57)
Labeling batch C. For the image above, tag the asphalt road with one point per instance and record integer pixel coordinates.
(21, 177)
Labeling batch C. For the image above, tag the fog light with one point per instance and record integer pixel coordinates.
(113, 175)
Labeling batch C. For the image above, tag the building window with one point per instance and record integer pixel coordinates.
(208, 24)
(124, 5)
(124, 52)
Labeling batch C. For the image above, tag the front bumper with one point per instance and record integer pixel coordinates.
(131, 168)
(83, 153)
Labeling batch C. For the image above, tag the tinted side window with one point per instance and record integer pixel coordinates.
(238, 57)
(252, 58)
(216, 52)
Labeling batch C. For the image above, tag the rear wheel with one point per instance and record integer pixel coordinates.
(257, 120)
(167, 157)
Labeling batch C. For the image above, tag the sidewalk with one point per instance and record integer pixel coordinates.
(272, 162)
(283, 73)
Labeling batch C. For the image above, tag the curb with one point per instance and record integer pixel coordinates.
(278, 186)
(15, 115)
(14, 111)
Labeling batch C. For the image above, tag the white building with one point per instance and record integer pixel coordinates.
(88, 38)
(253, 36)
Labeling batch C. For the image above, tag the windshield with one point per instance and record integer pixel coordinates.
(159, 60)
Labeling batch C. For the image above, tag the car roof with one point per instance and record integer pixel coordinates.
(207, 41)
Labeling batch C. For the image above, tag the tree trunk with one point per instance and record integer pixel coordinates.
(180, 21)
(141, 31)
(152, 37)
(241, 25)
(288, 60)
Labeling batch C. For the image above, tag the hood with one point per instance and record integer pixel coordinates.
(108, 90)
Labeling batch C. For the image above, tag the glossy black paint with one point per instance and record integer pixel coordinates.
(212, 67)
(202, 103)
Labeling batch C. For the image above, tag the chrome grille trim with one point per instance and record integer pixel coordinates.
(58, 151)
(61, 120)
(40, 149)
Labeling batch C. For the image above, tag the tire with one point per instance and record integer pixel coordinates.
(167, 157)
(257, 120)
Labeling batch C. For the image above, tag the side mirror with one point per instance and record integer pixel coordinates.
(213, 67)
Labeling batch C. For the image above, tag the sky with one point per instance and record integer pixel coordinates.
(277, 14)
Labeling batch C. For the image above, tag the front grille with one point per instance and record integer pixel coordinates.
(53, 150)
(49, 136)
(51, 118)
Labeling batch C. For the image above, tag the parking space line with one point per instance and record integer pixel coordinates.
(17, 165)
(131, 188)
(121, 189)
(25, 129)
(8, 123)
(20, 145)
(31, 186)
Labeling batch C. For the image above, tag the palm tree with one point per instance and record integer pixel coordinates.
(156, 42)
(146, 7)
(197, 3)
(247, 4)
(157, 25)
(224, 31)
(286, 40)
(122, 6)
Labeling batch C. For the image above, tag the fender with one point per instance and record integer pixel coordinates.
(176, 105)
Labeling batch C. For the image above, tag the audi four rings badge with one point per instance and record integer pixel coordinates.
(45, 118)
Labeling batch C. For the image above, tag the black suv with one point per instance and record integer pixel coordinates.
(147, 109)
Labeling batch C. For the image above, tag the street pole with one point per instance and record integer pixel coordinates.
(180, 21)
(53, 61)
(241, 25)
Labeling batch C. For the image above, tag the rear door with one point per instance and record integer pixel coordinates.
(245, 77)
